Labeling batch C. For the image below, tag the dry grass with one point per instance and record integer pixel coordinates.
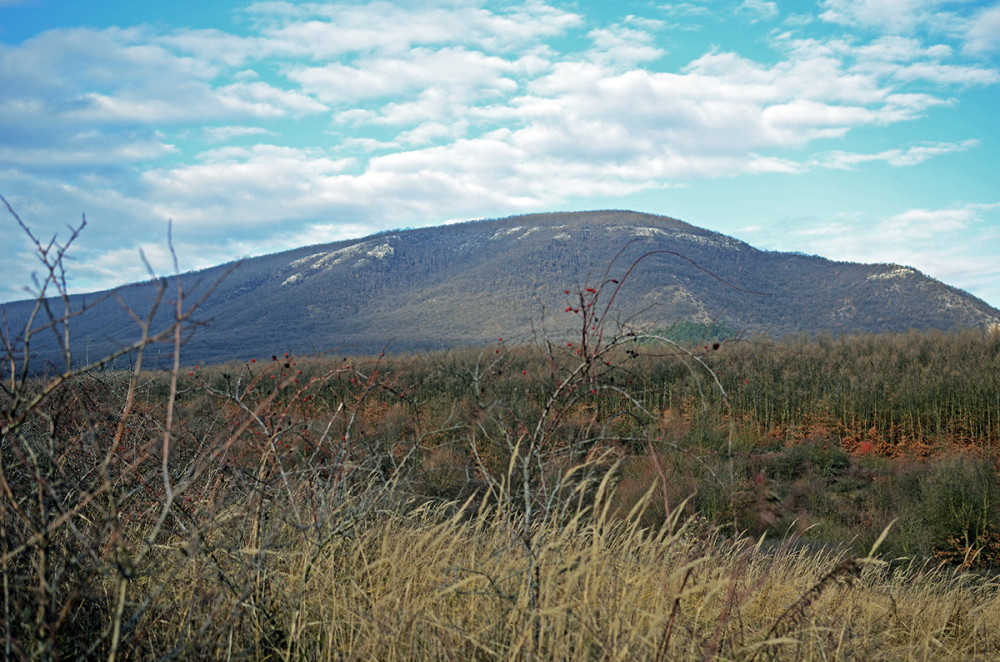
(292, 539)
(433, 582)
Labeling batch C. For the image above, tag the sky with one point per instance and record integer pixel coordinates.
(861, 130)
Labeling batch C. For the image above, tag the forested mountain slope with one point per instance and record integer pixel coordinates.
(474, 282)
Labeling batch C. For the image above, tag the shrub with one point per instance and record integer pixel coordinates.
(961, 509)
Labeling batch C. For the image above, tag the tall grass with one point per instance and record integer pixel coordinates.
(450, 582)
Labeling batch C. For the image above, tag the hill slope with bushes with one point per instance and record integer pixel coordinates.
(469, 283)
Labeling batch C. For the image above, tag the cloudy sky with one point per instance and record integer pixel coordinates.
(854, 129)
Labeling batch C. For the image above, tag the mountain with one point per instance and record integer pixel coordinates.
(471, 283)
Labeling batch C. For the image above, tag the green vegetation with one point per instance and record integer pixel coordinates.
(694, 333)
(512, 502)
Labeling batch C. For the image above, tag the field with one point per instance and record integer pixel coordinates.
(617, 496)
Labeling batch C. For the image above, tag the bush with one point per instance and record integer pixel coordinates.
(808, 459)
(961, 510)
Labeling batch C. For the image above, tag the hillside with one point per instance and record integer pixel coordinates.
(473, 282)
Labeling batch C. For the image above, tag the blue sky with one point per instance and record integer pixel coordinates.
(858, 130)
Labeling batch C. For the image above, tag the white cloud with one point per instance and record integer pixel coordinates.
(259, 99)
(471, 73)
(92, 151)
(64, 80)
(222, 134)
(430, 132)
(328, 31)
(895, 157)
(983, 34)
(925, 223)
(952, 244)
(238, 186)
(975, 25)
(799, 20)
(624, 45)
(946, 74)
(887, 58)
(430, 105)
(569, 121)
(218, 47)
(197, 102)
(685, 10)
(759, 10)
(894, 49)
(895, 16)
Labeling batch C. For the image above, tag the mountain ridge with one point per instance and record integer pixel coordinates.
(472, 282)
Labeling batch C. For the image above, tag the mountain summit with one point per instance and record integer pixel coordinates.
(473, 282)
